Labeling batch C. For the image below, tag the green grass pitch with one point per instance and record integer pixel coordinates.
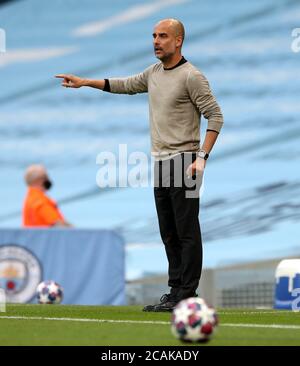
(24, 325)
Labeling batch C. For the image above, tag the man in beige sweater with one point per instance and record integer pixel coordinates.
(178, 95)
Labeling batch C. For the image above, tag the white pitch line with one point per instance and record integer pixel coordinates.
(256, 312)
(271, 326)
(84, 320)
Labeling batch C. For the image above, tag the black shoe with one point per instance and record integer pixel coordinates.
(164, 299)
(170, 305)
(167, 306)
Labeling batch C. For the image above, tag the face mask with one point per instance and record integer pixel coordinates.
(47, 184)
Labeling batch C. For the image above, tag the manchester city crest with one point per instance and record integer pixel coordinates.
(20, 273)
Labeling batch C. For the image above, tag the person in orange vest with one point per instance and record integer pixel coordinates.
(38, 209)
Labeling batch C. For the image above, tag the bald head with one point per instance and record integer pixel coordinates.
(35, 173)
(168, 37)
(175, 25)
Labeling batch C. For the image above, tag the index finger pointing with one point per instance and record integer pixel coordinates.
(63, 76)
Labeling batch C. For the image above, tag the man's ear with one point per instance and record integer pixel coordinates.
(179, 41)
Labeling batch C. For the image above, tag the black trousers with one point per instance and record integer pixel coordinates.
(177, 208)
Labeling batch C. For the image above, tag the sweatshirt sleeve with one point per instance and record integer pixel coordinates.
(131, 85)
(203, 99)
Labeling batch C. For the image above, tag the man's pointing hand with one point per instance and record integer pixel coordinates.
(70, 81)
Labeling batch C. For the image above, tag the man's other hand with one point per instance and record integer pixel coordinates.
(197, 167)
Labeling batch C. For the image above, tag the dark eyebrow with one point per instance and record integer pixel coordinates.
(160, 34)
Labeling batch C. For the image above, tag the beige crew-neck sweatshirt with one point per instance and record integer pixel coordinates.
(177, 99)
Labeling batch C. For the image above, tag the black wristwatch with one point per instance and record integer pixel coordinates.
(203, 154)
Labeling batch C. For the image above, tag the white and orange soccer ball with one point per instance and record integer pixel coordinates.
(193, 320)
(49, 292)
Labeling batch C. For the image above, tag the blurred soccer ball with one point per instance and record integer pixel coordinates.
(49, 292)
(193, 320)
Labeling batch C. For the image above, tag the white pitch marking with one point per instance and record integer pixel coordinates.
(255, 312)
(84, 320)
(271, 326)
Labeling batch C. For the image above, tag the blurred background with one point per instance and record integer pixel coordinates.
(250, 207)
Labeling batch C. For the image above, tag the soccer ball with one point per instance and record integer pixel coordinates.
(49, 292)
(193, 320)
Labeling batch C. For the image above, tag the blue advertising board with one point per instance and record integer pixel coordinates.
(88, 264)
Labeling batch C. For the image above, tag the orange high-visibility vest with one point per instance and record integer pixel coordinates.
(40, 210)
